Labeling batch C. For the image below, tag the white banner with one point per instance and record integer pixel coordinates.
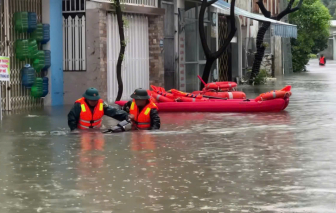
(4, 75)
(4, 68)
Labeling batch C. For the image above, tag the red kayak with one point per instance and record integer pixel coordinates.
(231, 105)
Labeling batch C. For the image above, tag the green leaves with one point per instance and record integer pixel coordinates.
(313, 24)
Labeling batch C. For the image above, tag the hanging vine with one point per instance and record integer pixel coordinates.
(121, 24)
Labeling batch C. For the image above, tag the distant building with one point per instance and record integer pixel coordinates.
(330, 52)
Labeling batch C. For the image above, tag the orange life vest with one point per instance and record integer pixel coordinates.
(322, 60)
(142, 119)
(86, 119)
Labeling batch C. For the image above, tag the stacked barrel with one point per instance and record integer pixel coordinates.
(30, 51)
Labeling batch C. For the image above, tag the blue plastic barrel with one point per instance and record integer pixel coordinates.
(46, 34)
(28, 76)
(45, 86)
(47, 60)
(32, 22)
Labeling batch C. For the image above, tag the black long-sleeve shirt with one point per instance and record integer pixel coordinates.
(74, 114)
(154, 116)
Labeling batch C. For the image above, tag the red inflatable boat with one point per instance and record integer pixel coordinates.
(273, 101)
(231, 105)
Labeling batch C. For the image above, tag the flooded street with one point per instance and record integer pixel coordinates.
(229, 162)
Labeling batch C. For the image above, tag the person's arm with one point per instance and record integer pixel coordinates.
(115, 113)
(127, 106)
(155, 119)
(73, 116)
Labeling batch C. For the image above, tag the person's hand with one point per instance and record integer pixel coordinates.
(131, 117)
(75, 131)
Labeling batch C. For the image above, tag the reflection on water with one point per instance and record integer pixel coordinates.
(228, 162)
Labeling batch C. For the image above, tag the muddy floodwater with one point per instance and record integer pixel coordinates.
(197, 162)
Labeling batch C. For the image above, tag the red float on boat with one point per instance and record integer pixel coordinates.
(161, 98)
(285, 92)
(224, 85)
(228, 95)
(177, 93)
(187, 99)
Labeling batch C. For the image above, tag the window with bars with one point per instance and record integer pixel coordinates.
(74, 43)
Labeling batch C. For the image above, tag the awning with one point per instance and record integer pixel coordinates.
(280, 28)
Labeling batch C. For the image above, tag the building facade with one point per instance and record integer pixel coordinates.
(330, 52)
(143, 63)
(239, 56)
(163, 46)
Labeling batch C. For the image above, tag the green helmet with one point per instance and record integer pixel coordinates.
(91, 94)
(140, 94)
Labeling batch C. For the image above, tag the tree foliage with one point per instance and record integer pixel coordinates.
(312, 21)
(331, 5)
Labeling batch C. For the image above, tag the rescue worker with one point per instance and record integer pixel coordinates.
(145, 112)
(88, 111)
(322, 60)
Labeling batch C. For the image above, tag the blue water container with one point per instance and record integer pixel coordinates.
(32, 22)
(28, 76)
(46, 34)
(45, 86)
(47, 60)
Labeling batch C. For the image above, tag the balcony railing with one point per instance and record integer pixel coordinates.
(144, 3)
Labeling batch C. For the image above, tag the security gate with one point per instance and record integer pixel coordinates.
(14, 95)
(225, 68)
(3, 50)
(135, 67)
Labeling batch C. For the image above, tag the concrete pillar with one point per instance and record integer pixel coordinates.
(181, 49)
(156, 59)
(334, 47)
(96, 48)
(52, 14)
(278, 70)
(240, 47)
